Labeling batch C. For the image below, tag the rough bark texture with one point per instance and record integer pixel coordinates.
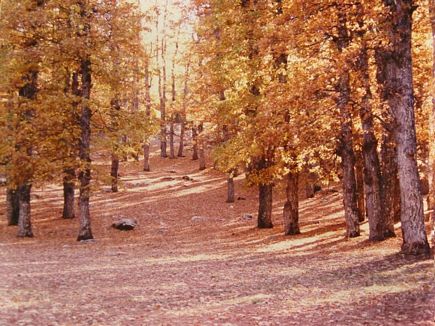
(400, 98)
(345, 146)
(24, 223)
(431, 196)
(345, 150)
(291, 206)
(372, 169)
(114, 172)
(85, 232)
(68, 193)
(12, 207)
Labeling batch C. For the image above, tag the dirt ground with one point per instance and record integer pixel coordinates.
(194, 260)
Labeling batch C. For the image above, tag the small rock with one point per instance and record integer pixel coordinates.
(241, 198)
(187, 178)
(125, 224)
(247, 217)
(198, 218)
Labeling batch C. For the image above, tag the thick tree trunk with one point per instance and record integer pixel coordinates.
(348, 160)
(378, 228)
(195, 144)
(146, 157)
(24, 223)
(68, 193)
(265, 206)
(171, 140)
(114, 172)
(400, 96)
(230, 188)
(345, 149)
(85, 232)
(361, 196)
(291, 206)
(12, 206)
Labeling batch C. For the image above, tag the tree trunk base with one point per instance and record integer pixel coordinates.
(265, 225)
(85, 235)
(416, 249)
(389, 234)
(354, 234)
(293, 231)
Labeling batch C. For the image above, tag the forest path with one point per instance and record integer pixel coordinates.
(194, 260)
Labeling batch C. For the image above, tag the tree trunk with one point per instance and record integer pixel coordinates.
(348, 160)
(24, 223)
(12, 207)
(291, 206)
(171, 141)
(400, 97)
(114, 172)
(345, 149)
(378, 228)
(230, 188)
(390, 181)
(146, 157)
(431, 196)
(195, 144)
(265, 206)
(85, 232)
(201, 148)
(68, 193)
(359, 175)
(181, 145)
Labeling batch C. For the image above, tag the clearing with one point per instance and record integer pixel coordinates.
(194, 260)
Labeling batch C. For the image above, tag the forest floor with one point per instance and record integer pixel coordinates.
(194, 260)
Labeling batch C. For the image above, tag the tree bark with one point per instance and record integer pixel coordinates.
(265, 200)
(195, 144)
(291, 206)
(181, 144)
(360, 189)
(12, 206)
(431, 196)
(230, 188)
(146, 157)
(345, 149)
(68, 193)
(346, 152)
(171, 140)
(85, 232)
(24, 222)
(378, 228)
(400, 97)
(114, 172)
(265, 206)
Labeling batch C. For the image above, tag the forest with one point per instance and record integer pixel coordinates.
(217, 162)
